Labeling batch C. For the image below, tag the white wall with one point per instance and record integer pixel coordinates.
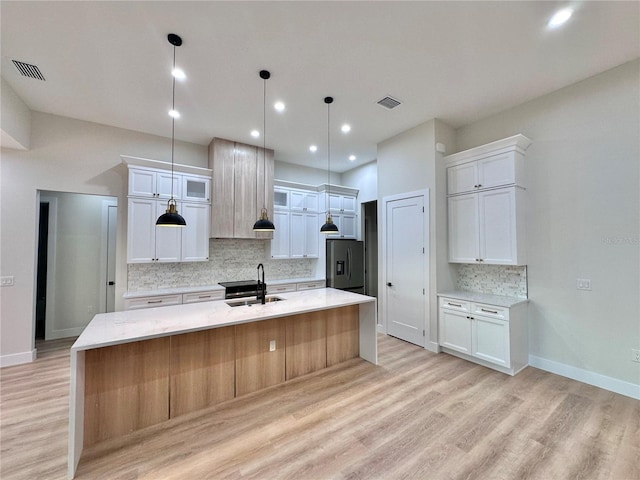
(15, 117)
(301, 174)
(583, 181)
(66, 155)
(365, 179)
(409, 162)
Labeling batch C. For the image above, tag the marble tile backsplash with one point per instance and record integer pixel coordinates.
(229, 259)
(493, 279)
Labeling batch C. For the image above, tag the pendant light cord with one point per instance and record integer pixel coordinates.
(329, 157)
(264, 142)
(173, 118)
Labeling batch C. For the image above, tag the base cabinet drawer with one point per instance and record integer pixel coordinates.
(150, 302)
(203, 296)
(289, 287)
(311, 285)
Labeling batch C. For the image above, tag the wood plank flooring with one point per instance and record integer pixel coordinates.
(417, 415)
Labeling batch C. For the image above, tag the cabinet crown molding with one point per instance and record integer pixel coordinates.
(322, 188)
(518, 143)
(177, 167)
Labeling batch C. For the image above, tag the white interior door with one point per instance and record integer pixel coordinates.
(405, 254)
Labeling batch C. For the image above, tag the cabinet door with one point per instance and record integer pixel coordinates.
(141, 230)
(311, 235)
(462, 178)
(296, 200)
(335, 202)
(195, 236)
(168, 239)
(245, 196)
(497, 226)
(222, 204)
(280, 198)
(455, 331)
(306, 349)
(297, 234)
(348, 204)
(497, 170)
(257, 365)
(348, 226)
(280, 241)
(264, 175)
(491, 340)
(142, 183)
(164, 180)
(463, 228)
(196, 189)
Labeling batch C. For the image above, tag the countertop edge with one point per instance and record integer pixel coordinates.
(491, 299)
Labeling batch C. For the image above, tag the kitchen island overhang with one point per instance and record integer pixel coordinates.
(120, 328)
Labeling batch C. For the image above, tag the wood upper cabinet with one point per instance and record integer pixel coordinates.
(240, 177)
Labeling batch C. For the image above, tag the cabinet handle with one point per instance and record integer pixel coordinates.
(389, 284)
(204, 296)
(454, 304)
(489, 311)
(154, 301)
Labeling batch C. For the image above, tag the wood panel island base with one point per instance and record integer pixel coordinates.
(137, 368)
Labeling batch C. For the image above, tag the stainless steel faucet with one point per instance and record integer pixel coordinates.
(261, 294)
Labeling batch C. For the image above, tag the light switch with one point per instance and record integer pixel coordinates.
(272, 346)
(6, 281)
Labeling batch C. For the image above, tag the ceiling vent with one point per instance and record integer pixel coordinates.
(389, 102)
(28, 70)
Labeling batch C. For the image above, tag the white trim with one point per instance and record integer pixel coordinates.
(17, 358)
(65, 333)
(585, 376)
(51, 266)
(382, 246)
(154, 164)
(104, 248)
(518, 143)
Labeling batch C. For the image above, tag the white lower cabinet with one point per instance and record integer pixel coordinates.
(198, 297)
(492, 335)
(153, 301)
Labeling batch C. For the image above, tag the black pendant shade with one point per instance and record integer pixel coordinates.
(171, 218)
(329, 226)
(263, 224)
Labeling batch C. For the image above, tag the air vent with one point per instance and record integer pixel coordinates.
(389, 102)
(28, 70)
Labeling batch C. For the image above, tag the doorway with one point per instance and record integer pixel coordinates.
(406, 266)
(75, 271)
(370, 229)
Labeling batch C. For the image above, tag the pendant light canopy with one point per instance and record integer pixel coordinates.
(171, 218)
(263, 224)
(329, 226)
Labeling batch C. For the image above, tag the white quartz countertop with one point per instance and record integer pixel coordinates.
(208, 288)
(498, 300)
(106, 329)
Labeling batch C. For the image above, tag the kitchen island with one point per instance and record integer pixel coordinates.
(136, 368)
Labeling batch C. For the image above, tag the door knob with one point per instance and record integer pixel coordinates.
(111, 283)
(389, 284)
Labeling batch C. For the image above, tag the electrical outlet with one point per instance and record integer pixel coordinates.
(583, 284)
(90, 309)
(635, 355)
(6, 281)
(272, 346)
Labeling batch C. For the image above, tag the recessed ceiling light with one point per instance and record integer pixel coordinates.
(174, 113)
(352, 157)
(255, 133)
(560, 17)
(178, 73)
(279, 106)
(346, 128)
(313, 148)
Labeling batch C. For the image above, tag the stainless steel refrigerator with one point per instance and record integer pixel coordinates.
(345, 265)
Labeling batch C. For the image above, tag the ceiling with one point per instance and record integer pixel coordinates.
(109, 62)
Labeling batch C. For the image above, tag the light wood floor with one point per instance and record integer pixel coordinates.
(417, 415)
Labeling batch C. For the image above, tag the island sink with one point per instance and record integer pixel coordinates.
(253, 301)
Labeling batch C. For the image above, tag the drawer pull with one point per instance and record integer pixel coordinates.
(454, 304)
(489, 311)
(204, 296)
(154, 301)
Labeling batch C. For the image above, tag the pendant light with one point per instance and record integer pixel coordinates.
(329, 226)
(263, 224)
(171, 218)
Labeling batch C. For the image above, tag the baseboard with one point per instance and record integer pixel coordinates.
(627, 389)
(17, 358)
(432, 346)
(64, 333)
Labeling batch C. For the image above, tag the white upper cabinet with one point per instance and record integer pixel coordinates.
(196, 189)
(305, 233)
(280, 198)
(342, 203)
(486, 195)
(149, 191)
(154, 183)
(302, 201)
(280, 241)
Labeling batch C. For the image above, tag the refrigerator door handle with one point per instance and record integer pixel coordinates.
(349, 263)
